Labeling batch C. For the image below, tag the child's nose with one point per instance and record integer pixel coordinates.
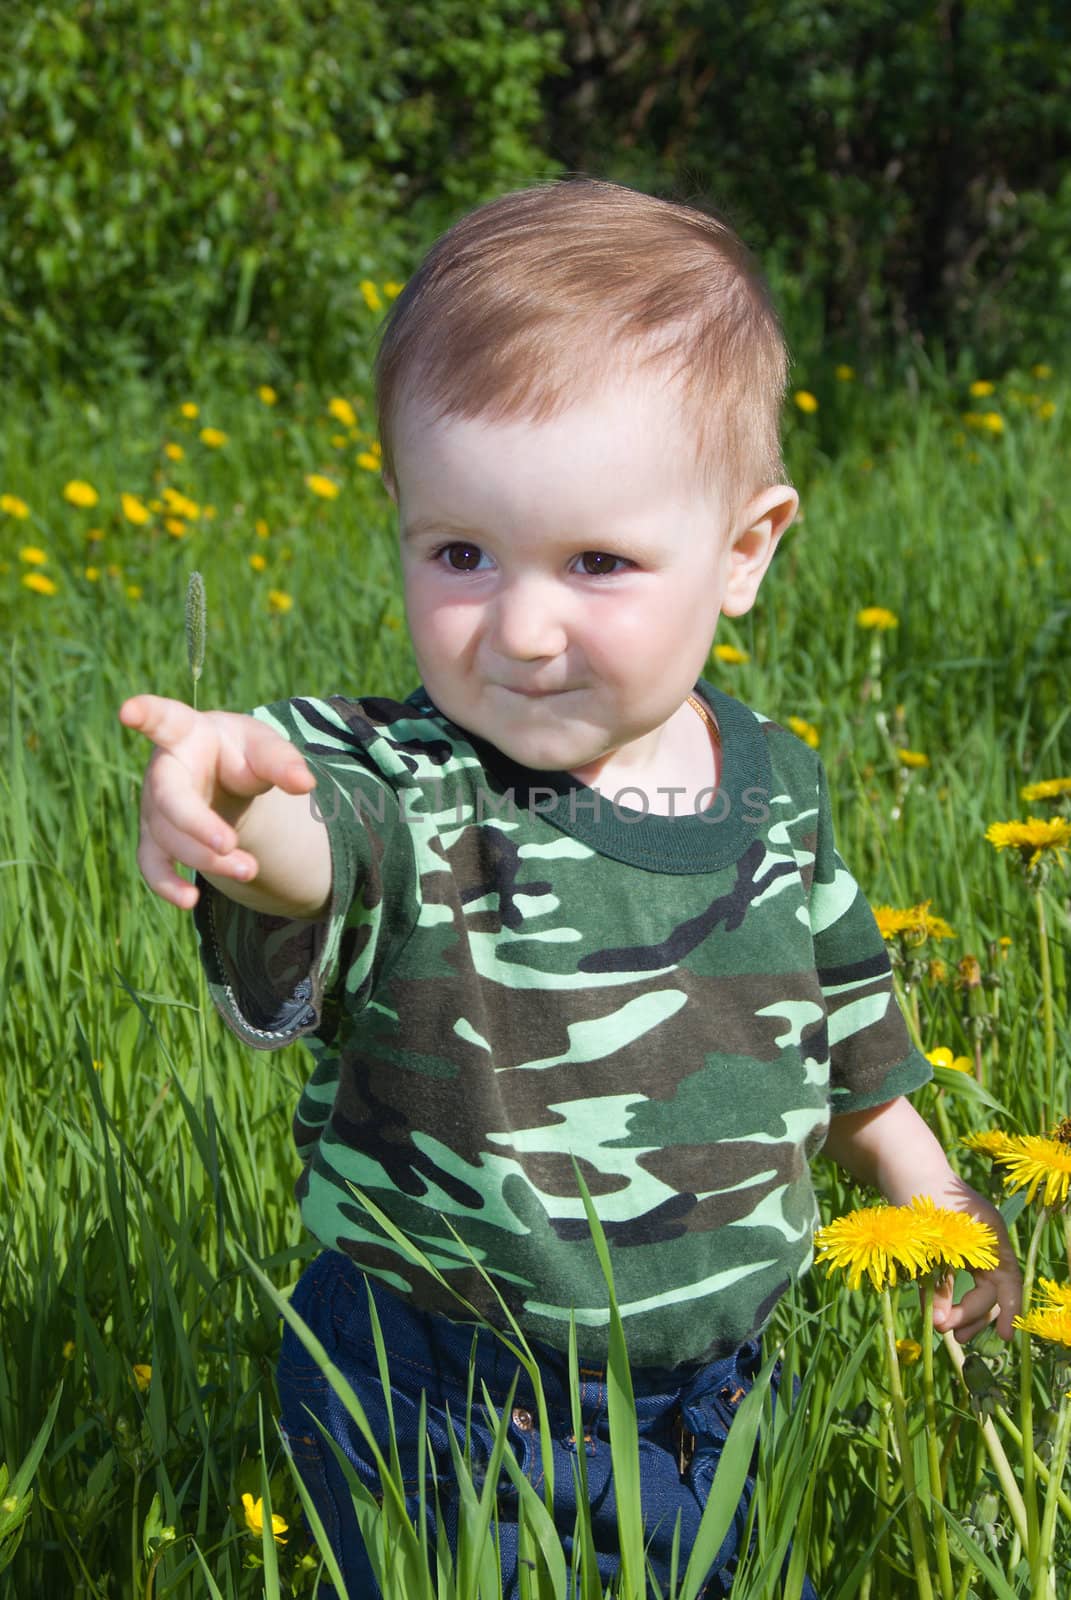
(528, 623)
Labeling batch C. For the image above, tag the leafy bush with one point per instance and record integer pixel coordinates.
(175, 171)
(907, 163)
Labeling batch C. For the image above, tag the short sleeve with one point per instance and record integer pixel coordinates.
(872, 1059)
(275, 979)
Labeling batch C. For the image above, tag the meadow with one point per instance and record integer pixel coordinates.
(916, 623)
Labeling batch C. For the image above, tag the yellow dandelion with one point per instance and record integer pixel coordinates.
(33, 556)
(280, 601)
(915, 923)
(885, 1242)
(134, 591)
(214, 438)
(94, 535)
(258, 562)
(371, 295)
(943, 1057)
(142, 1375)
(954, 1238)
(1056, 1294)
(991, 422)
(369, 461)
(189, 410)
(342, 411)
(1041, 370)
(134, 510)
(908, 1351)
(1031, 838)
(180, 505)
(12, 506)
(68, 1349)
(843, 373)
(80, 493)
(377, 449)
(877, 617)
(254, 1519)
(176, 527)
(937, 970)
(392, 290)
(174, 452)
(981, 387)
(730, 655)
(267, 395)
(40, 583)
(805, 731)
(325, 487)
(1051, 1323)
(806, 401)
(912, 758)
(1047, 789)
(339, 441)
(1034, 1163)
(261, 529)
(1047, 409)
(988, 1142)
(92, 574)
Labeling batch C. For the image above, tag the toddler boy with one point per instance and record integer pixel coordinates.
(568, 899)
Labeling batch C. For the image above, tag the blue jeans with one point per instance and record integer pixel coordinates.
(683, 1417)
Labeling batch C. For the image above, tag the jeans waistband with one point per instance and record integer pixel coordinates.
(437, 1351)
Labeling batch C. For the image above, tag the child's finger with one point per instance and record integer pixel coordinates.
(990, 1300)
(169, 797)
(265, 757)
(173, 845)
(158, 870)
(165, 722)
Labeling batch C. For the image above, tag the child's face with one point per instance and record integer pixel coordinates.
(563, 580)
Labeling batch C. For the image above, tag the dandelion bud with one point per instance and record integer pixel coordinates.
(983, 1390)
(195, 624)
(970, 973)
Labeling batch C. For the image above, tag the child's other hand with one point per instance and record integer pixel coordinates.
(1002, 1286)
(206, 769)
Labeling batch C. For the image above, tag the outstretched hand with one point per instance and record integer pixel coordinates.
(206, 769)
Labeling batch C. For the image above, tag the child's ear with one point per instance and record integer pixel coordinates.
(751, 547)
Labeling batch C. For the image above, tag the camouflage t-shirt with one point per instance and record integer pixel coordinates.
(517, 972)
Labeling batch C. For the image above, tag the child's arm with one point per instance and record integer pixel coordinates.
(227, 796)
(892, 1149)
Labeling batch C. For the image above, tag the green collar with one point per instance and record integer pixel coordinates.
(688, 843)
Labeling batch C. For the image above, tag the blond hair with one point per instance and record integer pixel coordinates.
(532, 300)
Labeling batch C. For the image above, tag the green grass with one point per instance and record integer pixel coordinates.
(141, 1170)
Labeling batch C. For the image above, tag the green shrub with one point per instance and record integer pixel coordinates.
(174, 172)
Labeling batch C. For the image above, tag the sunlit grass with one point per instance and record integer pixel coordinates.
(140, 1168)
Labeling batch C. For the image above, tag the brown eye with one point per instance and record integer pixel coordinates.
(596, 563)
(463, 557)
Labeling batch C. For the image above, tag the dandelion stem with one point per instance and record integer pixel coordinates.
(1043, 1472)
(1045, 963)
(1059, 1458)
(937, 1522)
(1001, 1464)
(1026, 1397)
(885, 1501)
(909, 1007)
(916, 1530)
